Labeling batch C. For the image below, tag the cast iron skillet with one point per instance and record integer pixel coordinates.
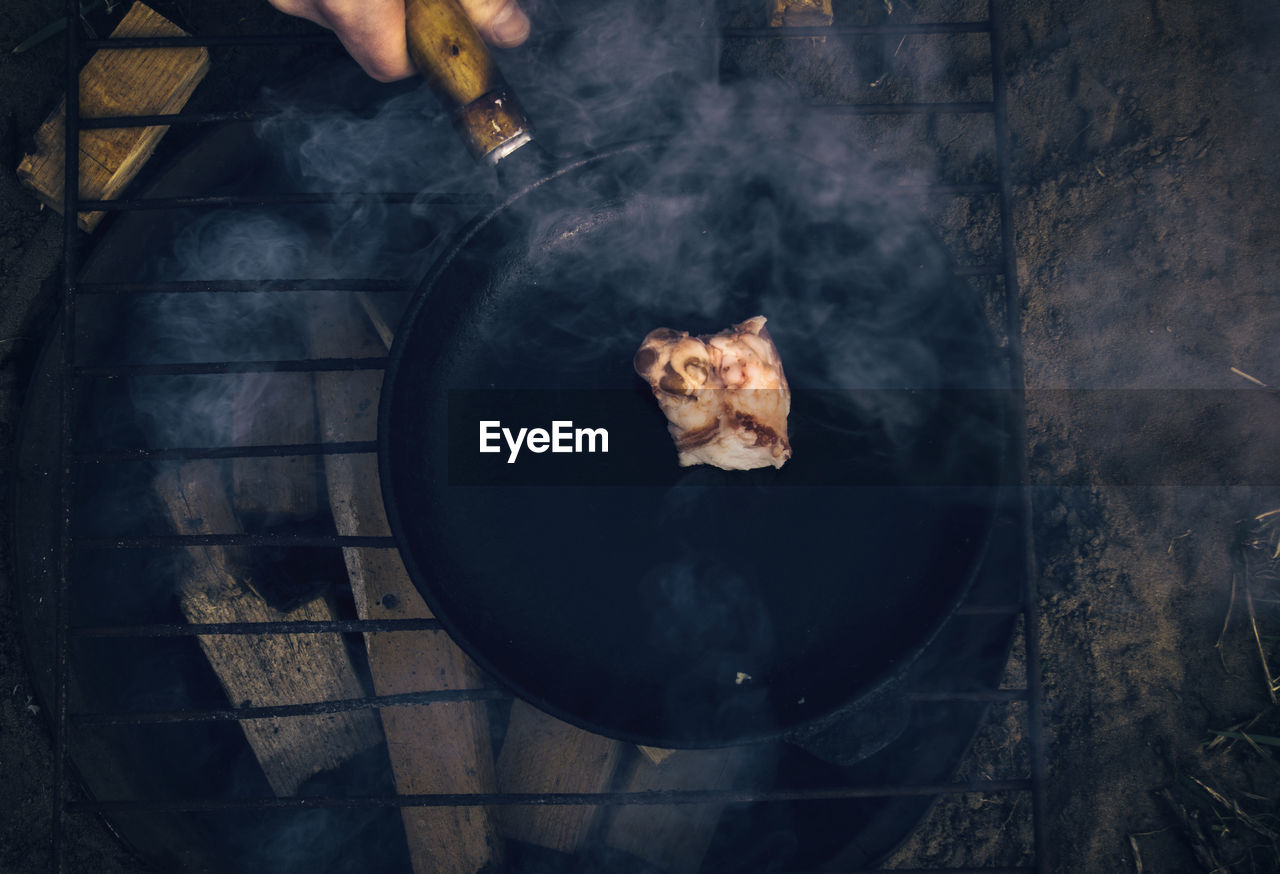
(688, 607)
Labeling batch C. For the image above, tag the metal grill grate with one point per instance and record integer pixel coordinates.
(1000, 270)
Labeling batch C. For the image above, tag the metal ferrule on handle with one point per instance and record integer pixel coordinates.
(450, 54)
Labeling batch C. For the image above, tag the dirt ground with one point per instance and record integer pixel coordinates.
(1147, 213)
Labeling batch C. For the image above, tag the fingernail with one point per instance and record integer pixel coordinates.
(510, 26)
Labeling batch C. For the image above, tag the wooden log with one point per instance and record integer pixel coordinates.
(543, 754)
(657, 755)
(675, 837)
(800, 13)
(268, 669)
(116, 82)
(444, 747)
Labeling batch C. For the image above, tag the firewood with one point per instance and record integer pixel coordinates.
(800, 13)
(268, 669)
(657, 755)
(444, 747)
(675, 838)
(116, 82)
(543, 754)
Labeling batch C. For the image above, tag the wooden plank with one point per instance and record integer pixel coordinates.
(444, 747)
(800, 13)
(675, 838)
(263, 670)
(657, 755)
(543, 754)
(116, 82)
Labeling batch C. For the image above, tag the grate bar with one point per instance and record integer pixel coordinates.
(232, 286)
(496, 799)
(281, 711)
(408, 699)
(183, 42)
(283, 199)
(327, 39)
(920, 28)
(66, 420)
(434, 198)
(199, 118)
(919, 108)
(198, 368)
(286, 541)
(1030, 568)
(355, 447)
(106, 122)
(339, 626)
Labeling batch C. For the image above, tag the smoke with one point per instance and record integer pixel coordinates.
(747, 203)
(188, 328)
(750, 202)
(596, 74)
(405, 146)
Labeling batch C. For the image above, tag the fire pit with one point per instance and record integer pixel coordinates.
(226, 582)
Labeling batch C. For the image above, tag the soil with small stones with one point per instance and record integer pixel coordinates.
(1146, 198)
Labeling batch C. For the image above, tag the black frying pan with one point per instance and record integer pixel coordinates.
(690, 607)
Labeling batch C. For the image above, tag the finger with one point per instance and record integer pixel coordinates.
(300, 9)
(372, 31)
(501, 22)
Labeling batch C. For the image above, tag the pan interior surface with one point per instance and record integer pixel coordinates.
(691, 606)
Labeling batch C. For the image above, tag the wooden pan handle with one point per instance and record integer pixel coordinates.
(452, 57)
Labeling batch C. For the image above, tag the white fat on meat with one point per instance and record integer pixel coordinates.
(724, 395)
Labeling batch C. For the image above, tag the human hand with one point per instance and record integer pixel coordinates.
(373, 30)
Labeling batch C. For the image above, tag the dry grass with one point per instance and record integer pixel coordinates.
(1243, 829)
